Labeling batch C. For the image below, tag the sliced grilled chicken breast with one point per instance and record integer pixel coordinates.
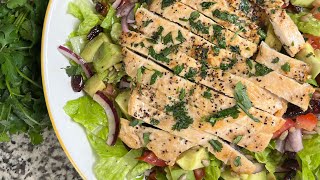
(225, 153)
(164, 145)
(216, 79)
(285, 65)
(204, 27)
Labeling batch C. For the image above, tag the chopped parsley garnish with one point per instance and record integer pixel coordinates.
(243, 101)
(244, 6)
(155, 76)
(156, 35)
(235, 49)
(309, 55)
(207, 5)
(191, 74)
(224, 15)
(249, 63)
(286, 67)
(260, 2)
(198, 25)
(167, 39)
(216, 145)
(262, 34)
(217, 33)
(154, 122)
(202, 54)
(146, 138)
(275, 60)
(229, 65)
(237, 139)
(180, 37)
(147, 22)
(160, 56)
(180, 114)
(237, 161)
(183, 19)
(178, 69)
(261, 70)
(230, 112)
(207, 94)
(140, 73)
(166, 3)
(216, 50)
(182, 94)
(152, 41)
(191, 92)
(135, 122)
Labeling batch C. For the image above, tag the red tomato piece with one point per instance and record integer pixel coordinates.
(307, 122)
(287, 125)
(151, 158)
(317, 16)
(314, 41)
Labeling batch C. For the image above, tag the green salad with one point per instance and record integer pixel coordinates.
(173, 90)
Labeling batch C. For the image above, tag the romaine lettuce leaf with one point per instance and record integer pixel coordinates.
(310, 158)
(116, 168)
(138, 170)
(312, 26)
(213, 171)
(84, 11)
(271, 158)
(110, 19)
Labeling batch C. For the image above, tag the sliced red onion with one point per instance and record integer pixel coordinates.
(77, 59)
(116, 4)
(287, 146)
(130, 17)
(280, 145)
(124, 24)
(295, 140)
(113, 118)
(125, 9)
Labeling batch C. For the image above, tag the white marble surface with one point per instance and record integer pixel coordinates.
(22, 161)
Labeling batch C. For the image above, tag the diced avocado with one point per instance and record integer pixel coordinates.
(192, 159)
(308, 55)
(176, 173)
(272, 40)
(93, 85)
(116, 31)
(226, 175)
(92, 47)
(122, 100)
(107, 56)
(306, 23)
(258, 176)
(302, 3)
(78, 43)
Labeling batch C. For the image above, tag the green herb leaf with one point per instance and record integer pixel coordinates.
(207, 5)
(275, 60)
(168, 39)
(180, 114)
(180, 37)
(237, 161)
(237, 139)
(146, 23)
(207, 94)
(191, 74)
(154, 77)
(135, 122)
(154, 122)
(167, 3)
(230, 112)
(178, 69)
(146, 138)
(286, 67)
(262, 70)
(217, 146)
(182, 94)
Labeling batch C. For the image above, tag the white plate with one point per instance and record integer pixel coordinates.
(58, 25)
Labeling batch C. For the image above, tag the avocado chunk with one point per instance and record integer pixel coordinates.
(93, 85)
(302, 3)
(308, 55)
(108, 55)
(272, 40)
(228, 176)
(176, 173)
(192, 159)
(78, 43)
(258, 176)
(92, 47)
(122, 100)
(116, 31)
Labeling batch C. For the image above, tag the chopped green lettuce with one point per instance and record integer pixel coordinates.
(84, 11)
(138, 170)
(310, 158)
(312, 26)
(271, 158)
(110, 19)
(213, 171)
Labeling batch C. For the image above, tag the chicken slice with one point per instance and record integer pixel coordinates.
(165, 146)
(285, 65)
